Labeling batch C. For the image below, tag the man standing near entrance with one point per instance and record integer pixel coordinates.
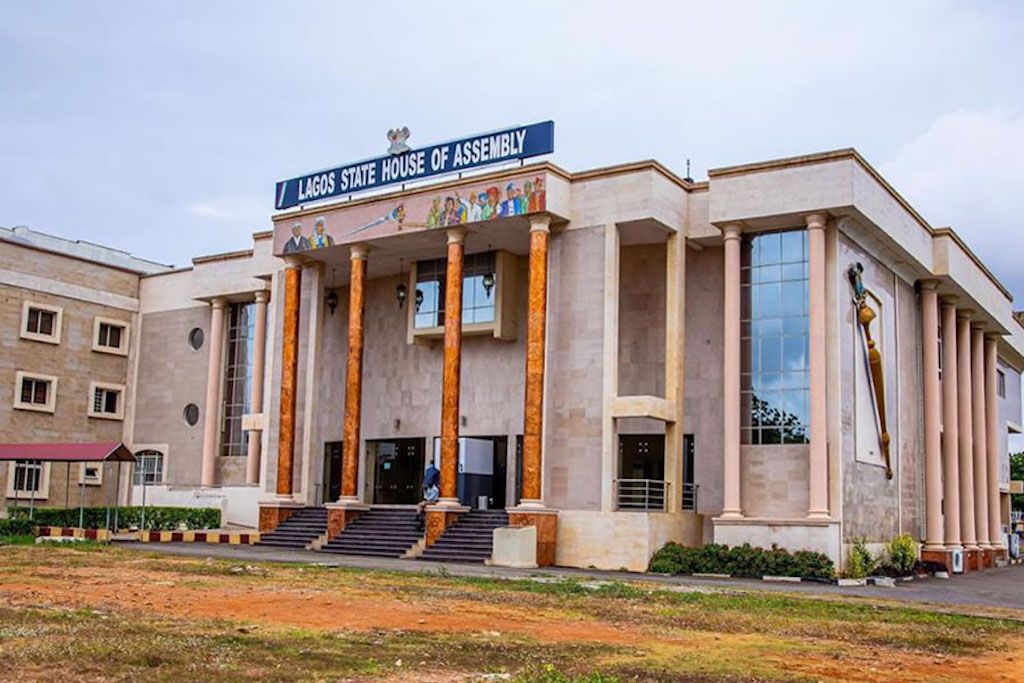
(431, 478)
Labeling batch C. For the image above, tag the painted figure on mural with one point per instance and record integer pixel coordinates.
(451, 212)
(476, 208)
(320, 239)
(434, 215)
(538, 198)
(508, 207)
(296, 242)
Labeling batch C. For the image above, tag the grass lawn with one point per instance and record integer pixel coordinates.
(95, 613)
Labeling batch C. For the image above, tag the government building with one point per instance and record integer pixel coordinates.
(596, 362)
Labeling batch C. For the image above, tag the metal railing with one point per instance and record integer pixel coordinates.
(641, 494)
(689, 501)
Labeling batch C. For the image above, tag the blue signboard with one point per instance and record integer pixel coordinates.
(404, 164)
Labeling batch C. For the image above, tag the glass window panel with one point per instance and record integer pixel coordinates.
(793, 271)
(792, 246)
(793, 357)
(771, 354)
(792, 298)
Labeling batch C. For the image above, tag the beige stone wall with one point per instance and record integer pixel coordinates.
(621, 540)
(573, 403)
(171, 375)
(642, 320)
(73, 361)
(871, 504)
(705, 286)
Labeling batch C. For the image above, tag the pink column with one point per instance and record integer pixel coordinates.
(932, 416)
(214, 370)
(995, 536)
(818, 464)
(980, 452)
(731, 379)
(950, 430)
(259, 347)
(966, 431)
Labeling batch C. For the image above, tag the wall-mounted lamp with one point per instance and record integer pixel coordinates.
(332, 300)
(488, 283)
(463, 420)
(401, 294)
(398, 424)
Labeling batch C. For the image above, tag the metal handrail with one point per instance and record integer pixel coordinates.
(689, 499)
(641, 494)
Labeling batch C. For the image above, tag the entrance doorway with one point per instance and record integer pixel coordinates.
(641, 483)
(332, 472)
(398, 470)
(483, 470)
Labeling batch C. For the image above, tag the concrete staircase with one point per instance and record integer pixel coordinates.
(469, 539)
(378, 532)
(299, 531)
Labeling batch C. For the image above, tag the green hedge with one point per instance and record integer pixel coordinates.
(157, 518)
(742, 560)
(15, 527)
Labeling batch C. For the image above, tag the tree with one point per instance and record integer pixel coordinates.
(1017, 473)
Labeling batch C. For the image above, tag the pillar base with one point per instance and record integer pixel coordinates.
(545, 520)
(341, 514)
(441, 516)
(272, 513)
(987, 558)
(972, 559)
(941, 556)
(731, 514)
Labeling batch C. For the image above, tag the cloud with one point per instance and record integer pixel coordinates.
(965, 171)
(245, 208)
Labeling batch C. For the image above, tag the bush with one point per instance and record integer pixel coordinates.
(15, 527)
(860, 563)
(742, 561)
(901, 554)
(157, 518)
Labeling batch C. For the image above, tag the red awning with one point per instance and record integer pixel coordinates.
(104, 451)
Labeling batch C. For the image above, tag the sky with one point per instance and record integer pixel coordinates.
(161, 127)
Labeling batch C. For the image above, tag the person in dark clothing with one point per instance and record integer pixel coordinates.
(432, 477)
(431, 489)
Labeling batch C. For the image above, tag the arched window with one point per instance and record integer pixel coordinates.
(149, 468)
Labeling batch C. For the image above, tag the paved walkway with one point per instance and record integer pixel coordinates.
(1001, 589)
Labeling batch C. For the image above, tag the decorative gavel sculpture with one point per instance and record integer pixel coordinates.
(865, 315)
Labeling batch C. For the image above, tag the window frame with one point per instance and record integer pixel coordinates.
(58, 322)
(1000, 383)
(51, 395)
(87, 480)
(44, 482)
(106, 386)
(240, 336)
(98, 323)
(145, 450)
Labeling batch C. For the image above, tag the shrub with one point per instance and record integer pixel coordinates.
(157, 518)
(15, 527)
(901, 554)
(860, 563)
(741, 561)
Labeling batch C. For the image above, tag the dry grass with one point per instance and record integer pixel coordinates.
(109, 614)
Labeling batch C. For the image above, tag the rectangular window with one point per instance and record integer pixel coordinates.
(775, 328)
(27, 478)
(91, 473)
(35, 392)
(106, 400)
(238, 377)
(479, 283)
(40, 322)
(149, 468)
(1001, 383)
(110, 336)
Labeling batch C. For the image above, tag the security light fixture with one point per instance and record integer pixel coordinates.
(332, 300)
(401, 294)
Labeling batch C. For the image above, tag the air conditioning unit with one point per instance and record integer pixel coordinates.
(957, 560)
(1013, 543)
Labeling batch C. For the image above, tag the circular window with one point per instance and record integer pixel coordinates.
(195, 338)
(191, 414)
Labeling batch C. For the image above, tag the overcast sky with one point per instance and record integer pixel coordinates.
(161, 127)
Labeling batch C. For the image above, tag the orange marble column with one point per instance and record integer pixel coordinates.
(932, 416)
(536, 331)
(354, 375)
(452, 368)
(950, 428)
(289, 378)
